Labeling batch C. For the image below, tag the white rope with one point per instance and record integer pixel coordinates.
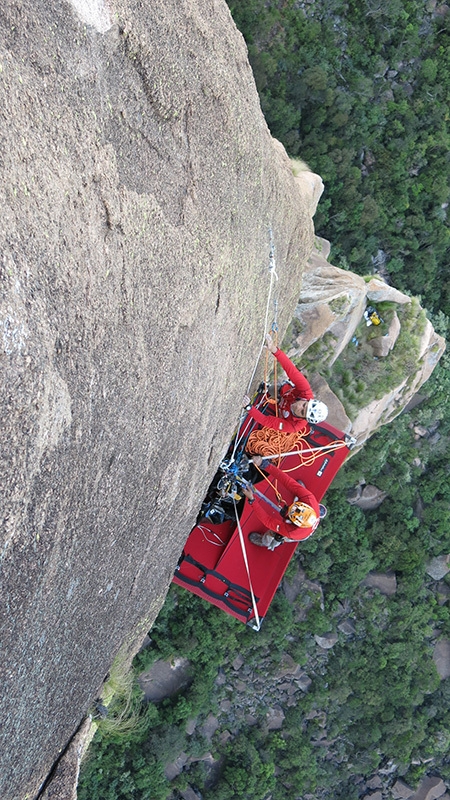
(273, 277)
(244, 553)
(272, 265)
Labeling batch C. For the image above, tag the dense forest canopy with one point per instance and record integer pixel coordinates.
(361, 92)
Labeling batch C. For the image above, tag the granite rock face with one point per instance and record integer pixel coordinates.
(138, 185)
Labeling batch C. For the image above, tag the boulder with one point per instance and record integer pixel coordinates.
(420, 431)
(288, 666)
(441, 658)
(189, 794)
(274, 718)
(367, 497)
(442, 593)
(401, 791)
(226, 735)
(238, 663)
(209, 727)
(375, 782)
(164, 678)
(175, 767)
(431, 788)
(382, 345)
(206, 758)
(327, 640)
(347, 627)
(438, 567)
(385, 582)
(191, 725)
(294, 585)
(303, 681)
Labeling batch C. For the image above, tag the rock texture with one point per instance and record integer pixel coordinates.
(441, 658)
(164, 679)
(366, 496)
(430, 788)
(385, 582)
(438, 567)
(138, 184)
(62, 784)
(331, 304)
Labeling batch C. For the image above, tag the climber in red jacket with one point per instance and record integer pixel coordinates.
(296, 406)
(292, 518)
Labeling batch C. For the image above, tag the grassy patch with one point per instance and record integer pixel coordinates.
(122, 698)
(357, 377)
(317, 357)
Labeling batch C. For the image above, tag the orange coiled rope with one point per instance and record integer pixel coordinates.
(269, 442)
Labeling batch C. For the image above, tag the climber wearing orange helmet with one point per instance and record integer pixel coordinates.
(294, 517)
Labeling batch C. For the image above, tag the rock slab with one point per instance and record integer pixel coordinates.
(138, 185)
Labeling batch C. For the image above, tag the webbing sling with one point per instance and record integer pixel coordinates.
(224, 598)
(240, 591)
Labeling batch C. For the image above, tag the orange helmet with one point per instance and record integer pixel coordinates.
(302, 515)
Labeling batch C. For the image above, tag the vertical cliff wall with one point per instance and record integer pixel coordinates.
(138, 184)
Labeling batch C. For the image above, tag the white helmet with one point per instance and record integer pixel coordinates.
(316, 411)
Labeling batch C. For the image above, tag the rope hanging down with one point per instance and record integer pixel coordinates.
(257, 625)
(263, 441)
(273, 278)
